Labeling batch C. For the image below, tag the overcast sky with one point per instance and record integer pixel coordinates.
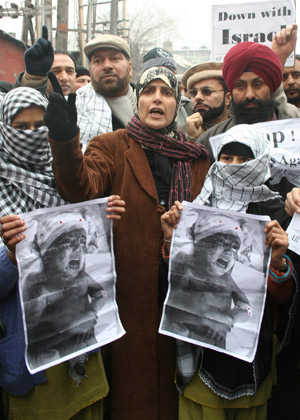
(193, 16)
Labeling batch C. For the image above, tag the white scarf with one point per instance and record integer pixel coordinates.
(233, 187)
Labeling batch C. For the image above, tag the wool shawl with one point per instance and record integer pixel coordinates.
(175, 147)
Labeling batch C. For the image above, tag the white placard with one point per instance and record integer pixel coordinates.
(255, 21)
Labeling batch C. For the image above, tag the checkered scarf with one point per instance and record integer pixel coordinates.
(230, 187)
(233, 187)
(94, 114)
(26, 176)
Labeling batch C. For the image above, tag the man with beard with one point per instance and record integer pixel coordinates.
(110, 72)
(253, 73)
(291, 82)
(209, 96)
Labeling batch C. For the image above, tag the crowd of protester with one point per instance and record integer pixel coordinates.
(70, 134)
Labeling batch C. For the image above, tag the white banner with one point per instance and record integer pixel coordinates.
(257, 21)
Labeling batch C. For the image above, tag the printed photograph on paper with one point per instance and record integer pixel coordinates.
(67, 283)
(217, 280)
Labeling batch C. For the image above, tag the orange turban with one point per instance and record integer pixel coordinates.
(254, 57)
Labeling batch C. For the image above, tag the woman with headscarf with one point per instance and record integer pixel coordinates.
(27, 183)
(212, 384)
(151, 165)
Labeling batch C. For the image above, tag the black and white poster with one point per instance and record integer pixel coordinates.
(218, 273)
(67, 283)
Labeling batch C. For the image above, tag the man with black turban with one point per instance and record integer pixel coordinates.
(252, 73)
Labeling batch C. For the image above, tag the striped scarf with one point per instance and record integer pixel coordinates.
(175, 147)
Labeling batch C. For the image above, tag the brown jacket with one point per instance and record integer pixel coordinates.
(142, 361)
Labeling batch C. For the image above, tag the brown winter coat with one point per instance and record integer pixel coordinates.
(143, 361)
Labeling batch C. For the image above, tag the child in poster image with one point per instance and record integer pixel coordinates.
(204, 304)
(212, 383)
(62, 287)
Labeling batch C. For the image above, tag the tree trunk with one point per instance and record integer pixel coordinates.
(62, 25)
(48, 18)
(114, 17)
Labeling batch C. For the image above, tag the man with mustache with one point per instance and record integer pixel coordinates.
(291, 82)
(110, 72)
(209, 96)
(253, 73)
(64, 69)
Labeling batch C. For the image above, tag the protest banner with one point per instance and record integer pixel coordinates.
(255, 21)
(218, 273)
(67, 283)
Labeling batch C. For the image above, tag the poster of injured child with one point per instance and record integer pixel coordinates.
(218, 274)
(67, 283)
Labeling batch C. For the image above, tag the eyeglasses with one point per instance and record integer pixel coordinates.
(205, 91)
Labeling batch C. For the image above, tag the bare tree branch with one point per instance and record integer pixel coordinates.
(148, 27)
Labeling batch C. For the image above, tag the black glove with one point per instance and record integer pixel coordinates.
(61, 114)
(61, 117)
(55, 83)
(39, 58)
